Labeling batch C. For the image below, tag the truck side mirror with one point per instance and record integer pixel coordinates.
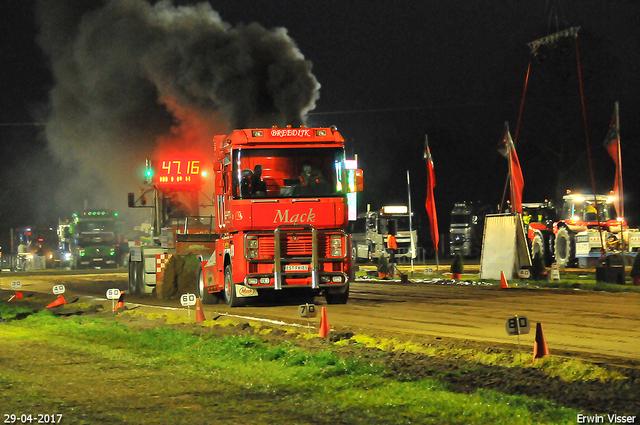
(359, 180)
(131, 200)
(218, 183)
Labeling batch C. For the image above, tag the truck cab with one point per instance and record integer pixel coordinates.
(281, 211)
(369, 233)
(467, 226)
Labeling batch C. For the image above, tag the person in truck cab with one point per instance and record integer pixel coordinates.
(258, 186)
(309, 176)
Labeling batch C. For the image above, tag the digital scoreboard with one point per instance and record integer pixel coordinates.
(178, 171)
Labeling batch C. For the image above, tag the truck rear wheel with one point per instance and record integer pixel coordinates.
(133, 278)
(564, 247)
(203, 294)
(230, 296)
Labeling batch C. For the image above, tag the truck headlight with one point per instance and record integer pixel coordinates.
(252, 248)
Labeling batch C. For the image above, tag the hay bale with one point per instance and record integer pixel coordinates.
(187, 278)
(168, 286)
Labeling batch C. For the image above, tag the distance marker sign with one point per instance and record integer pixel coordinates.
(517, 325)
(113, 294)
(16, 284)
(188, 300)
(58, 289)
(307, 310)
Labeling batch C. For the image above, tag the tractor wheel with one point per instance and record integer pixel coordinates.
(565, 250)
(230, 296)
(203, 294)
(537, 246)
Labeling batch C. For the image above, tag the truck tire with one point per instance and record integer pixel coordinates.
(133, 278)
(565, 247)
(354, 252)
(230, 296)
(203, 294)
(337, 298)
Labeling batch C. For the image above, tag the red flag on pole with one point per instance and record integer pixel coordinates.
(612, 144)
(508, 150)
(430, 204)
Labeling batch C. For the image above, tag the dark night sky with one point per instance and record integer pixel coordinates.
(389, 73)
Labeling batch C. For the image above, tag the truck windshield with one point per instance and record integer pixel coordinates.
(460, 218)
(277, 173)
(402, 223)
(585, 211)
(96, 227)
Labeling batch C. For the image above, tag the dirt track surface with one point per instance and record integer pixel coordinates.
(595, 325)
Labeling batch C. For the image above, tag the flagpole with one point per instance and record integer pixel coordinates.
(411, 246)
(620, 190)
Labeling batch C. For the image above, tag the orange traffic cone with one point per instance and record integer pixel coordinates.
(15, 296)
(199, 311)
(503, 281)
(324, 324)
(57, 302)
(120, 302)
(540, 348)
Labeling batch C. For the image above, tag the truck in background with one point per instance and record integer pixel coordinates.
(369, 234)
(275, 219)
(467, 226)
(92, 238)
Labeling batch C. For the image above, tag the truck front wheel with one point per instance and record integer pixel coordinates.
(333, 298)
(230, 296)
(564, 247)
(205, 296)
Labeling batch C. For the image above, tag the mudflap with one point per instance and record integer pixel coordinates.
(244, 291)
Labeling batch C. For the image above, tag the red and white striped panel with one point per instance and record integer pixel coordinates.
(161, 262)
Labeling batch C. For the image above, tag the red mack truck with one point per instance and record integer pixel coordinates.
(275, 220)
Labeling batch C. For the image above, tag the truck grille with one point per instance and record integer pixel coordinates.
(294, 245)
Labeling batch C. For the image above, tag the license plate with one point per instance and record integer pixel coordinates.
(296, 268)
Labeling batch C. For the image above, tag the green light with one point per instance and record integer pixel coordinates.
(149, 173)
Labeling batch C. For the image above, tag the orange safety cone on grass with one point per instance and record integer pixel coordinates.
(324, 324)
(540, 348)
(59, 301)
(199, 311)
(503, 281)
(120, 302)
(15, 296)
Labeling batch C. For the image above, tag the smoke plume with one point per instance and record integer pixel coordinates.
(129, 74)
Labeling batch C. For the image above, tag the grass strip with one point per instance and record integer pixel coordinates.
(103, 371)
